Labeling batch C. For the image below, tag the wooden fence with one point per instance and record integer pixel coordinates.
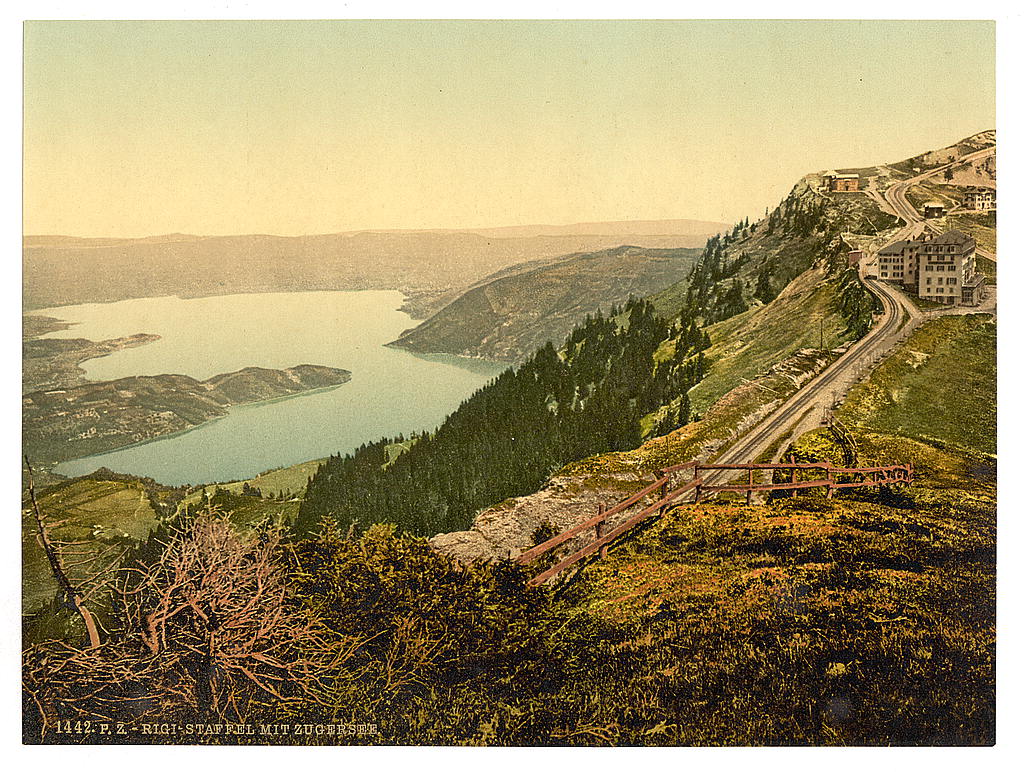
(703, 484)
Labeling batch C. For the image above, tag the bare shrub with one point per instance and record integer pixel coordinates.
(209, 628)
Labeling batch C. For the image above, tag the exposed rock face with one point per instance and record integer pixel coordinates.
(507, 530)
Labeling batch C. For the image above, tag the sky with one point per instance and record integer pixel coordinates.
(145, 128)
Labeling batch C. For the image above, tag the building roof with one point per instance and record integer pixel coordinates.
(953, 237)
(893, 249)
(846, 176)
(932, 204)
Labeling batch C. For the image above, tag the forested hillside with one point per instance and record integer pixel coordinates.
(769, 288)
(513, 434)
(867, 618)
(511, 315)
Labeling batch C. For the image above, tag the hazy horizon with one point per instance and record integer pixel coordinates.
(142, 129)
(693, 229)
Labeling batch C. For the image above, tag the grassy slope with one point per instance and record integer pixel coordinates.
(287, 479)
(250, 510)
(291, 480)
(717, 423)
(108, 513)
(747, 345)
(868, 619)
(981, 225)
(939, 387)
(930, 160)
(925, 192)
(804, 311)
(864, 620)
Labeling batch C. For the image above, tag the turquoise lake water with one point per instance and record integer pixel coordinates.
(391, 391)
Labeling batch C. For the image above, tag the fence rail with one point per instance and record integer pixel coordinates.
(701, 484)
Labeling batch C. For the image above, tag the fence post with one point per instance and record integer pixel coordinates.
(599, 530)
(750, 484)
(831, 482)
(792, 475)
(664, 490)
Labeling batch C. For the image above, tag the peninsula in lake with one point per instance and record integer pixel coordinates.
(93, 417)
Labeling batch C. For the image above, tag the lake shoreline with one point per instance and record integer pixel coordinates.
(100, 415)
(390, 391)
(197, 427)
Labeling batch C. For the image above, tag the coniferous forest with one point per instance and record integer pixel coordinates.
(511, 435)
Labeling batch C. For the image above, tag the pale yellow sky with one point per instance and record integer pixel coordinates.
(142, 128)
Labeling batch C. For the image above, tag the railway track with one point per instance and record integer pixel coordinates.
(899, 316)
(817, 393)
(898, 312)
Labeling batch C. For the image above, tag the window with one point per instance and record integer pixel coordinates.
(940, 290)
(928, 280)
(951, 280)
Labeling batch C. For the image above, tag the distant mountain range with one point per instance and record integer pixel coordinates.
(64, 270)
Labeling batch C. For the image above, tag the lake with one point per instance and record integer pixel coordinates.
(391, 391)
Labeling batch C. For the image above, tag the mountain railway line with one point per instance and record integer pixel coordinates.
(898, 319)
(710, 478)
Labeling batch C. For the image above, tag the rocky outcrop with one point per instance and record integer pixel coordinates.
(508, 529)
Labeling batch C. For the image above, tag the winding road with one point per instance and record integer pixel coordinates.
(900, 316)
(896, 197)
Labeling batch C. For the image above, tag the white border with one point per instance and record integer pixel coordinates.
(1009, 42)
